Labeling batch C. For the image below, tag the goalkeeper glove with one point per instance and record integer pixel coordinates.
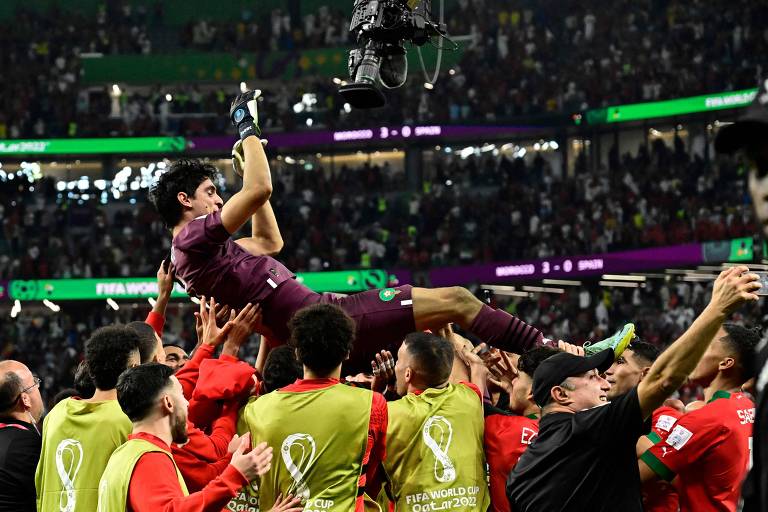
(244, 114)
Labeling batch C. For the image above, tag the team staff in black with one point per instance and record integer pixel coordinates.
(21, 408)
(584, 457)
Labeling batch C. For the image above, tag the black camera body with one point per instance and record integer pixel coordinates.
(382, 27)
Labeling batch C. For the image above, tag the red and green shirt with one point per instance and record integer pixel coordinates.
(709, 450)
(506, 438)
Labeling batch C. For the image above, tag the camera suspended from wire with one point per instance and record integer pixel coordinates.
(381, 28)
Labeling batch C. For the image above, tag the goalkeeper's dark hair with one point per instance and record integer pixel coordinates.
(322, 335)
(184, 175)
(741, 341)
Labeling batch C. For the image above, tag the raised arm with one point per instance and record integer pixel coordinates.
(265, 233)
(733, 288)
(257, 181)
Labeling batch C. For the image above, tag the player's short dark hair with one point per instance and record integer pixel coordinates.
(322, 335)
(432, 356)
(741, 342)
(184, 175)
(66, 393)
(107, 352)
(166, 345)
(147, 341)
(83, 381)
(281, 368)
(139, 387)
(647, 352)
(531, 359)
(10, 389)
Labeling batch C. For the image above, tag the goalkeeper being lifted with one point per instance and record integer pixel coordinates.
(237, 272)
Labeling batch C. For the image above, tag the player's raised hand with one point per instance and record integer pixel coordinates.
(252, 462)
(289, 503)
(212, 335)
(243, 325)
(244, 114)
(733, 287)
(165, 279)
(383, 371)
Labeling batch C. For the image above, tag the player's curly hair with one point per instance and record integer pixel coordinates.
(282, 368)
(741, 342)
(322, 335)
(107, 352)
(184, 175)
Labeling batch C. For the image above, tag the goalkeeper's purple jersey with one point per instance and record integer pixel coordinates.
(208, 262)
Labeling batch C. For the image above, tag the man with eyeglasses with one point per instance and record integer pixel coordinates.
(749, 137)
(21, 408)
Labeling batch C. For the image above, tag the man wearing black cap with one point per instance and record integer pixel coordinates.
(584, 457)
(749, 136)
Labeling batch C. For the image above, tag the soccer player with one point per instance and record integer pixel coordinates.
(435, 435)
(330, 436)
(508, 435)
(626, 373)
(237, 272)
(587, 445)
(141, 475)
(749, 135)
(175, 356)
(21, 408)
(80, 435)
(709, 448)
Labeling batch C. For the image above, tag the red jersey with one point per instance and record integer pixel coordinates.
(506, 438)
(658, 495)
(709, 450)
(663, 419)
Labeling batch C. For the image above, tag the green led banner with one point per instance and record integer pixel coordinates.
(736, 249)
(120, 145)
(651, 110)
(143, 288)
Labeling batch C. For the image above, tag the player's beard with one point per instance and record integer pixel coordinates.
(179, 429)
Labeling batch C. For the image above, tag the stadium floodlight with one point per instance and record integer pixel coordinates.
(619, 284)
(16, 309)
(50, 305)
(543, 289)
(615, 277)
(561, 282)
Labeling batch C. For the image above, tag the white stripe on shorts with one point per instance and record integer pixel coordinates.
(271, 283)
(408, 302)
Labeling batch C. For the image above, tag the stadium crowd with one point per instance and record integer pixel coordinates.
(583, 58)
(357, 218)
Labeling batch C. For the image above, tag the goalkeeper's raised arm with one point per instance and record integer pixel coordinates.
(257, 182)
